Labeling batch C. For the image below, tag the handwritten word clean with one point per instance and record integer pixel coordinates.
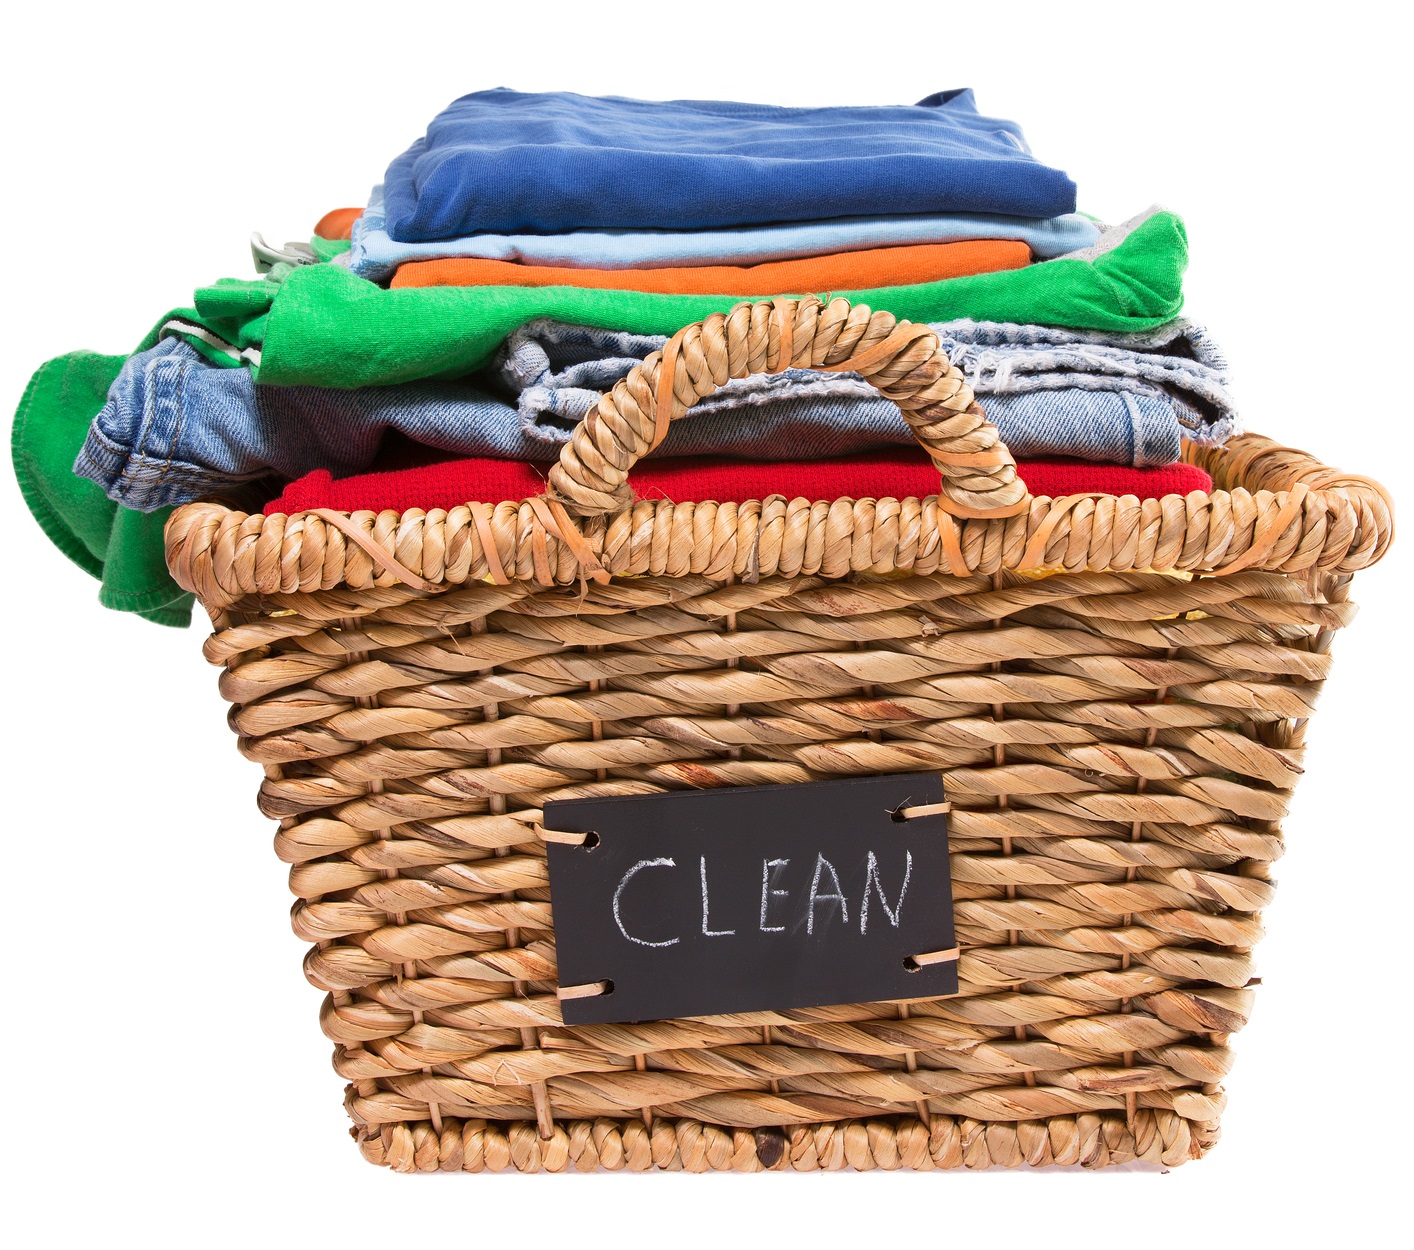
(790, 899)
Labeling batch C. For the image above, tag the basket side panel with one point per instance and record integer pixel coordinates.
(1119, 750)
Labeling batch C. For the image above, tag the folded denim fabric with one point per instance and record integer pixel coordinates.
(375, 255)
(558, 372)
(899, 474)
(514, 161)
(176, 428)
(324, 327)
(880, 266)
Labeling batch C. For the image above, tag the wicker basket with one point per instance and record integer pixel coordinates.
(1119, 745)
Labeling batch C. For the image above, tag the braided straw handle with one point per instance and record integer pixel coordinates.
(903, 361)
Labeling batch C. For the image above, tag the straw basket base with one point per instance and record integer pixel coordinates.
(1159, 1138)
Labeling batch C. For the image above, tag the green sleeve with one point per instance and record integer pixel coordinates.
(120, 547)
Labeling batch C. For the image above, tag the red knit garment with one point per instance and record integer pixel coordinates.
(899, 474)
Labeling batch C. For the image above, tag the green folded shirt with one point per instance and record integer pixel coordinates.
(326, 327)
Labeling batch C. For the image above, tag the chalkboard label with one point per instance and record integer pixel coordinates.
(701, 902)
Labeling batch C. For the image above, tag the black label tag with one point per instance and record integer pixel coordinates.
(701, 902)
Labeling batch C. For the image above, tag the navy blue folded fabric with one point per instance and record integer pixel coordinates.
(510, 161)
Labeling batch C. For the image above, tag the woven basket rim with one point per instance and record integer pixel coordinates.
(1272, 507)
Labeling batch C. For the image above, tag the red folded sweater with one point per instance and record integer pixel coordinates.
(897, 474)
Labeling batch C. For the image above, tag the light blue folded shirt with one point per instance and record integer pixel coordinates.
(376, 255)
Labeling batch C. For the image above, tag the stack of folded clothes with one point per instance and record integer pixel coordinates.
(439, 345)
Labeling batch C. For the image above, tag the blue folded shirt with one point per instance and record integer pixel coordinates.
(516, 162)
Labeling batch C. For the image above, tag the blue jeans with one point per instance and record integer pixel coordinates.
(176, 428)
(1176, 376)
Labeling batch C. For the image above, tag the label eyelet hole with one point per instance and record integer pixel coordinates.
(591, 840)
(911, 965)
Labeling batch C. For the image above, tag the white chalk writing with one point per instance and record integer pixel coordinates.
(768, 892)
(837, 895)
(871, 879)
(618, 895)
(707, 931)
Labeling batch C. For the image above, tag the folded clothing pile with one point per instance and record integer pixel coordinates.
(440, 344)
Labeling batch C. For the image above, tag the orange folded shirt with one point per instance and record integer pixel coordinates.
(841, 271)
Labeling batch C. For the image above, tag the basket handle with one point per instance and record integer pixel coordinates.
(902, 360)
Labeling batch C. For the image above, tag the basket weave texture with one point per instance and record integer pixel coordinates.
(1119, 746)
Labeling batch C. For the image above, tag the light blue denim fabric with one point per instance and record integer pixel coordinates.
(559, 370)
(375, 255)
(176, 428)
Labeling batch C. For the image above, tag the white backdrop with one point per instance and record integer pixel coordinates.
(164, 1073)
